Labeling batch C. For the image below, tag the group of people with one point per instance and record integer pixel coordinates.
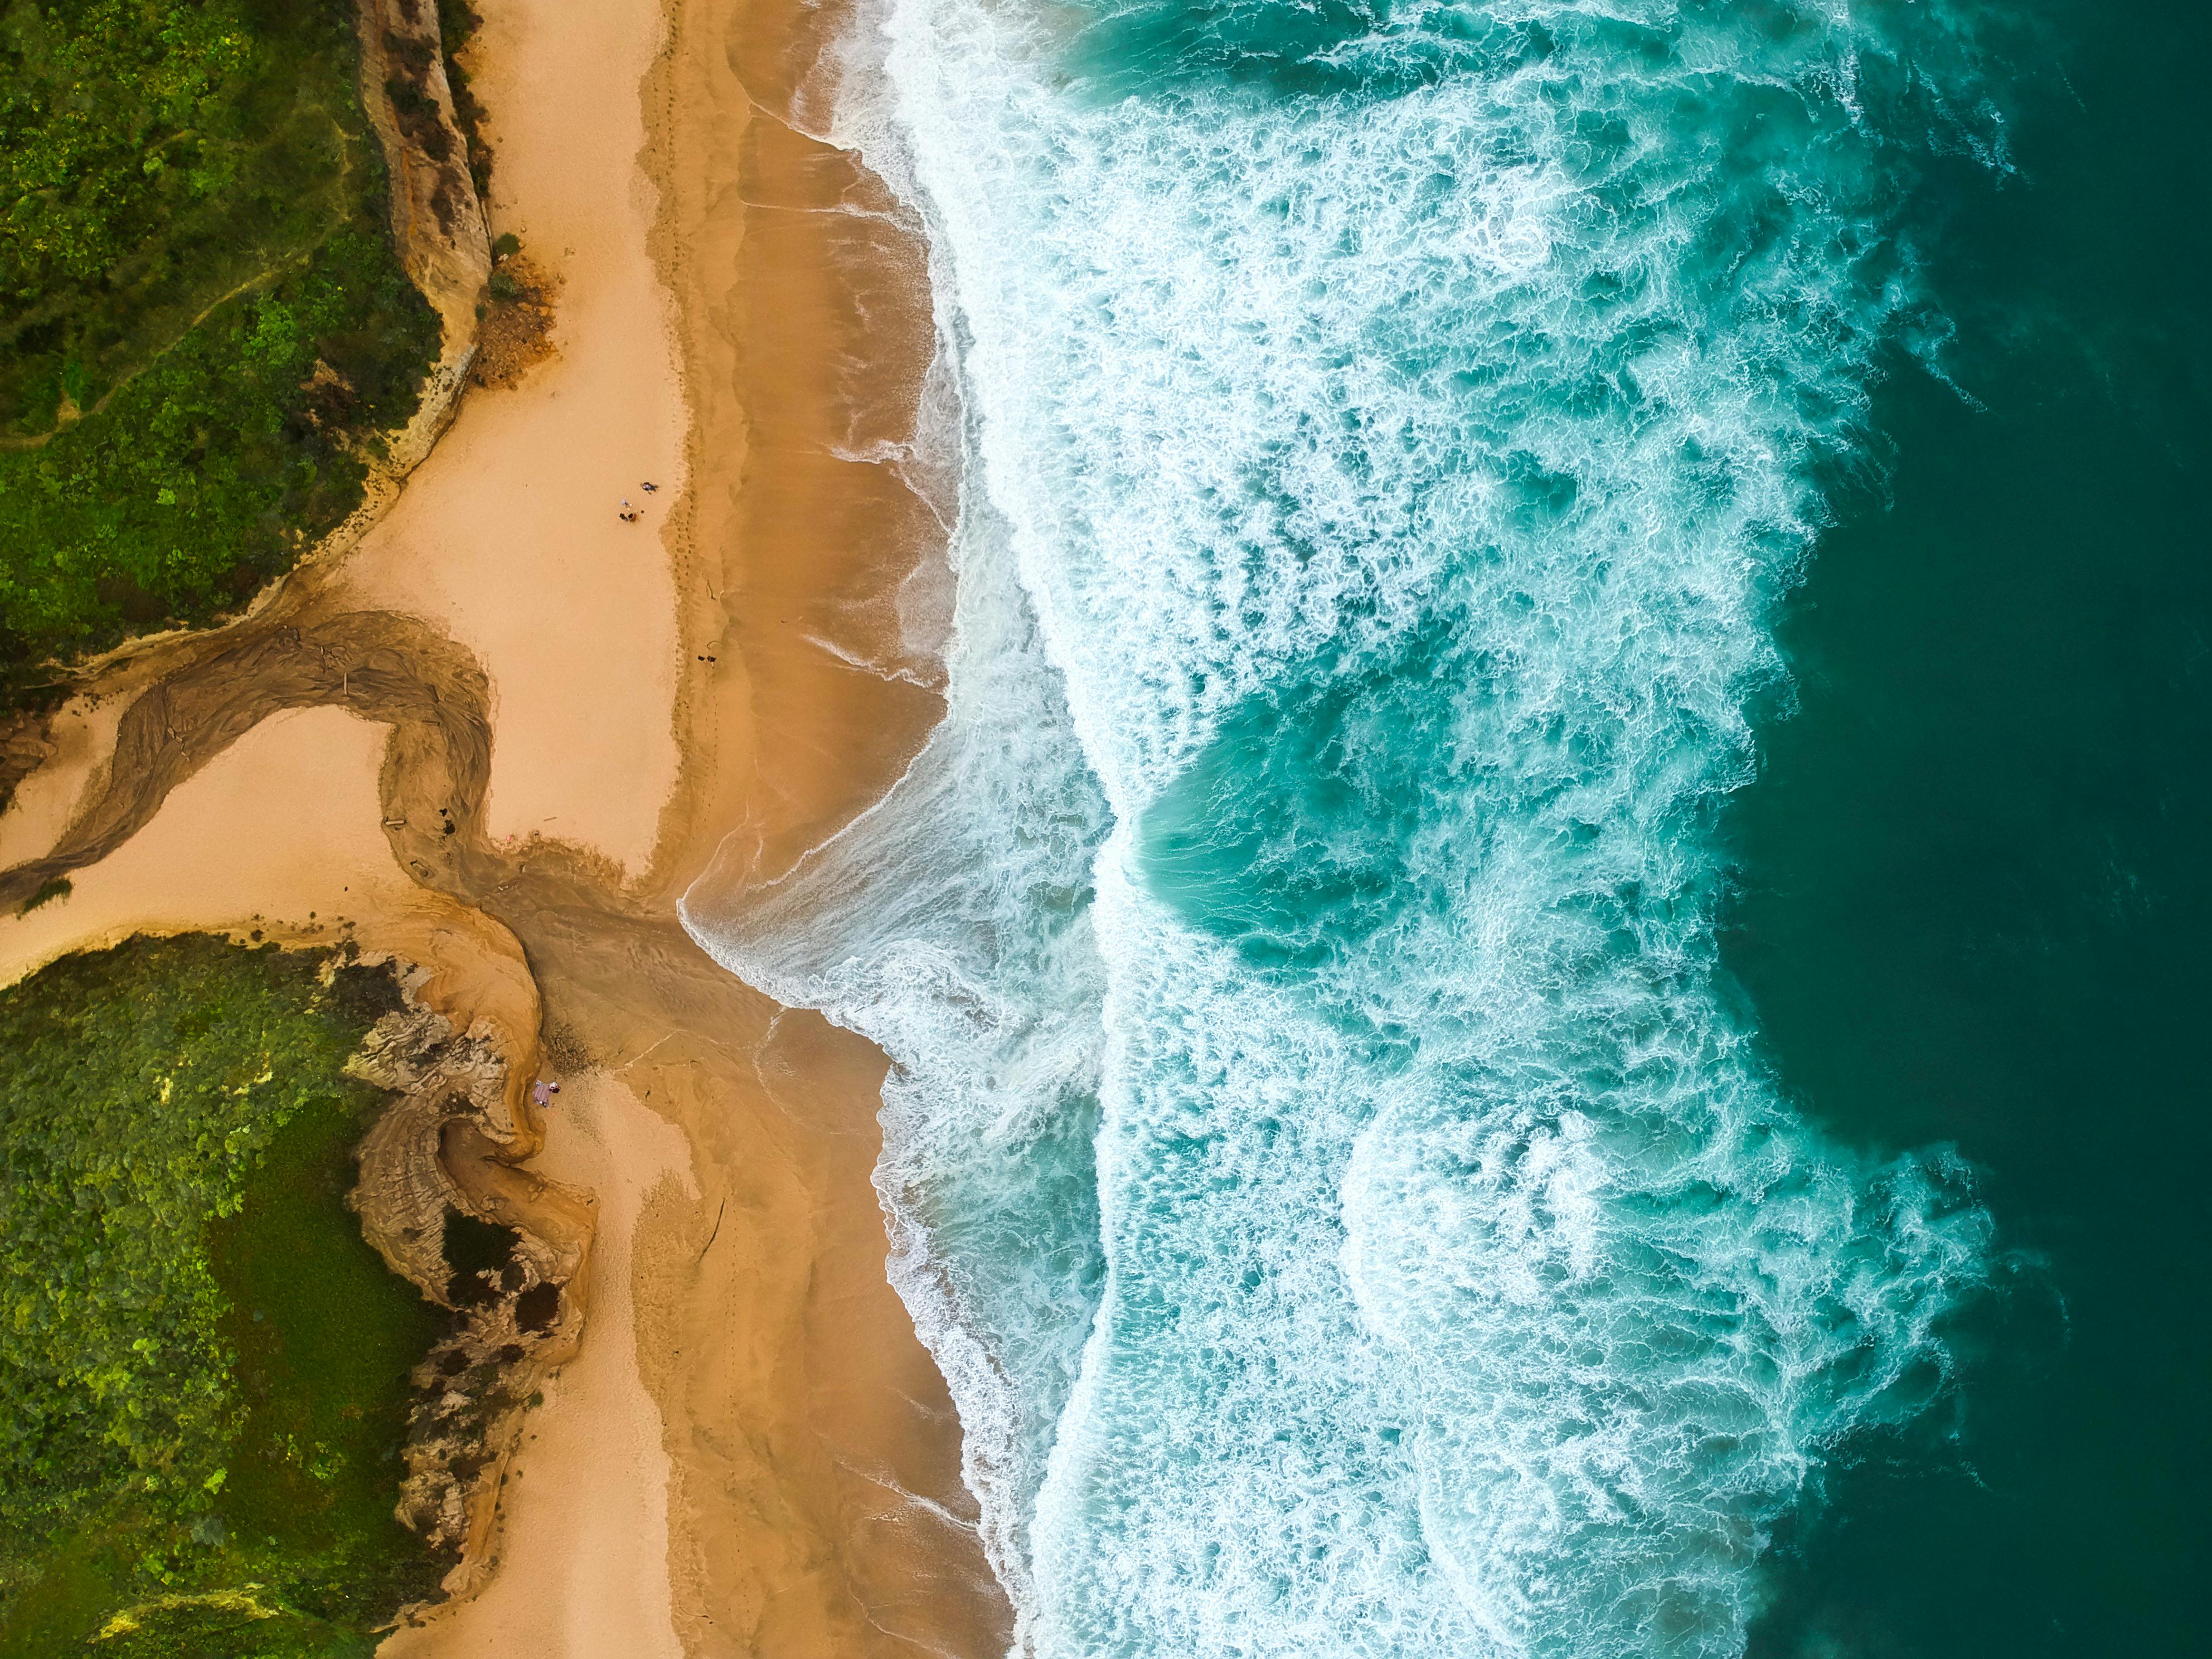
(630, 515)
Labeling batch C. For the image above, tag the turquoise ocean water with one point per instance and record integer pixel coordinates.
(1533, 970)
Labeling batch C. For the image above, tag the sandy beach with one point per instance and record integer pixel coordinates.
(316, 857)
(510, 540)
(590, 1489)
(807, 551)
(506, 704)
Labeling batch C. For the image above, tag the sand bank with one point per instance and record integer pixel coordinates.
(239, 846)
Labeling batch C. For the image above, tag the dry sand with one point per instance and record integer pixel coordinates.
(82, 733)
(586, 1499)
(751, 1453)
(240, 844)
(508, 537)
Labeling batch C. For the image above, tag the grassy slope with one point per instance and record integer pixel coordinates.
(201, 1363)
(202, 317)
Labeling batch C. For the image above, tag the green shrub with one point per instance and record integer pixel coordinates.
(201, 317)
(457, 22)
(201, 1360)
(208, 473)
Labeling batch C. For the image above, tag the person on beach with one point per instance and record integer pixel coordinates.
(649, 488)
(542, 1092)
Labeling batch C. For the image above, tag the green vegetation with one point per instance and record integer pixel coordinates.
(203, 1365)
(203, 321)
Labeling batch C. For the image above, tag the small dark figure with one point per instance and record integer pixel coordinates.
(649, 488)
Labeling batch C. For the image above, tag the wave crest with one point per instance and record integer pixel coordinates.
(1347, 1215)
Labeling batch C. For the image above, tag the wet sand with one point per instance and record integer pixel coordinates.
(578, 715)
(808, 550)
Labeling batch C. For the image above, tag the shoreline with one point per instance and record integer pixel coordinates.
(807, 1490)
(806, 330)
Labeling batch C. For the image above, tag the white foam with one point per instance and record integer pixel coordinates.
(948, 923)
(1446, 1279)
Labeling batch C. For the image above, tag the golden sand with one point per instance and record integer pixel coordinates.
(237, 846)
(508, 537)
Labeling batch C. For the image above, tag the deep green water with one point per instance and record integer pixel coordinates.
(1975, 898)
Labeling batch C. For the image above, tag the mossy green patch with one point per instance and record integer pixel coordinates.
(203, 1365)
(202, 320)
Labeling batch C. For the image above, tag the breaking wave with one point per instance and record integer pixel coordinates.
(1350, 1219)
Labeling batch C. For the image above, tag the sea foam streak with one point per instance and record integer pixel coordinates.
(1348, 1217)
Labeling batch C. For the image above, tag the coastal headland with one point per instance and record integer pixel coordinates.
(494, 729)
